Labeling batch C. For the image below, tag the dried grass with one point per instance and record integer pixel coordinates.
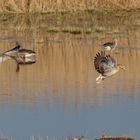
(22, 6)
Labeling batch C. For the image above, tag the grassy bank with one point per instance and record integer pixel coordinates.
(22, 6)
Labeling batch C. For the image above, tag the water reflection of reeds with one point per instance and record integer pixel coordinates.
(83, 21)
(64, 71)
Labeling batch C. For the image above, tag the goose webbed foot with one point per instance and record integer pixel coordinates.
(99, 79)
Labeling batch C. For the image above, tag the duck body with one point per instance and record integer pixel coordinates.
(109, 46)
(105, 65)
(26, 53)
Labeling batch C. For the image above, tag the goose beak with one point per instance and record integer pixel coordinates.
(122, 67)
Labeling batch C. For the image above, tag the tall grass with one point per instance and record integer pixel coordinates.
(22, 6)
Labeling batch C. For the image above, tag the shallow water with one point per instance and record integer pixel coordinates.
(58, 96)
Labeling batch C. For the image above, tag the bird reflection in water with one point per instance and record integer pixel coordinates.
(20, 56)
(106, 65)
(22, 61)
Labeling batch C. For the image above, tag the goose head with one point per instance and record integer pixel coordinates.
(120, 66)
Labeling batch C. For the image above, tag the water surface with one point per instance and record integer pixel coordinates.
(58, 96)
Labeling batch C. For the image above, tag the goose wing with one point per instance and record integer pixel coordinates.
(104, 63)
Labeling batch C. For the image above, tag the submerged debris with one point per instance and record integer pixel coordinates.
(105, 137)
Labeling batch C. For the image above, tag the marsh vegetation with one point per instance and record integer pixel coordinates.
(43, 6)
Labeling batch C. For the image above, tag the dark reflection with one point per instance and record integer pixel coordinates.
(22, 61)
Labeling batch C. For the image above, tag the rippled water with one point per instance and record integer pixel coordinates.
(58, 96)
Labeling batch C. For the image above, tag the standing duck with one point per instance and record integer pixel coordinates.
(110, 46)
(106, 66)
(20, 56)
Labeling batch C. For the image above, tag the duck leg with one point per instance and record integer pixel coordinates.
(17, 69)
(99, 79)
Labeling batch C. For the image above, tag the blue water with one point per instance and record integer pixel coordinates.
(58, 97)
(119, 117)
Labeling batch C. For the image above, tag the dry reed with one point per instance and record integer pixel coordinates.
(43, 6)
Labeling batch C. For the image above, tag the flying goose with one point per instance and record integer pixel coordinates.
(106, 66)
